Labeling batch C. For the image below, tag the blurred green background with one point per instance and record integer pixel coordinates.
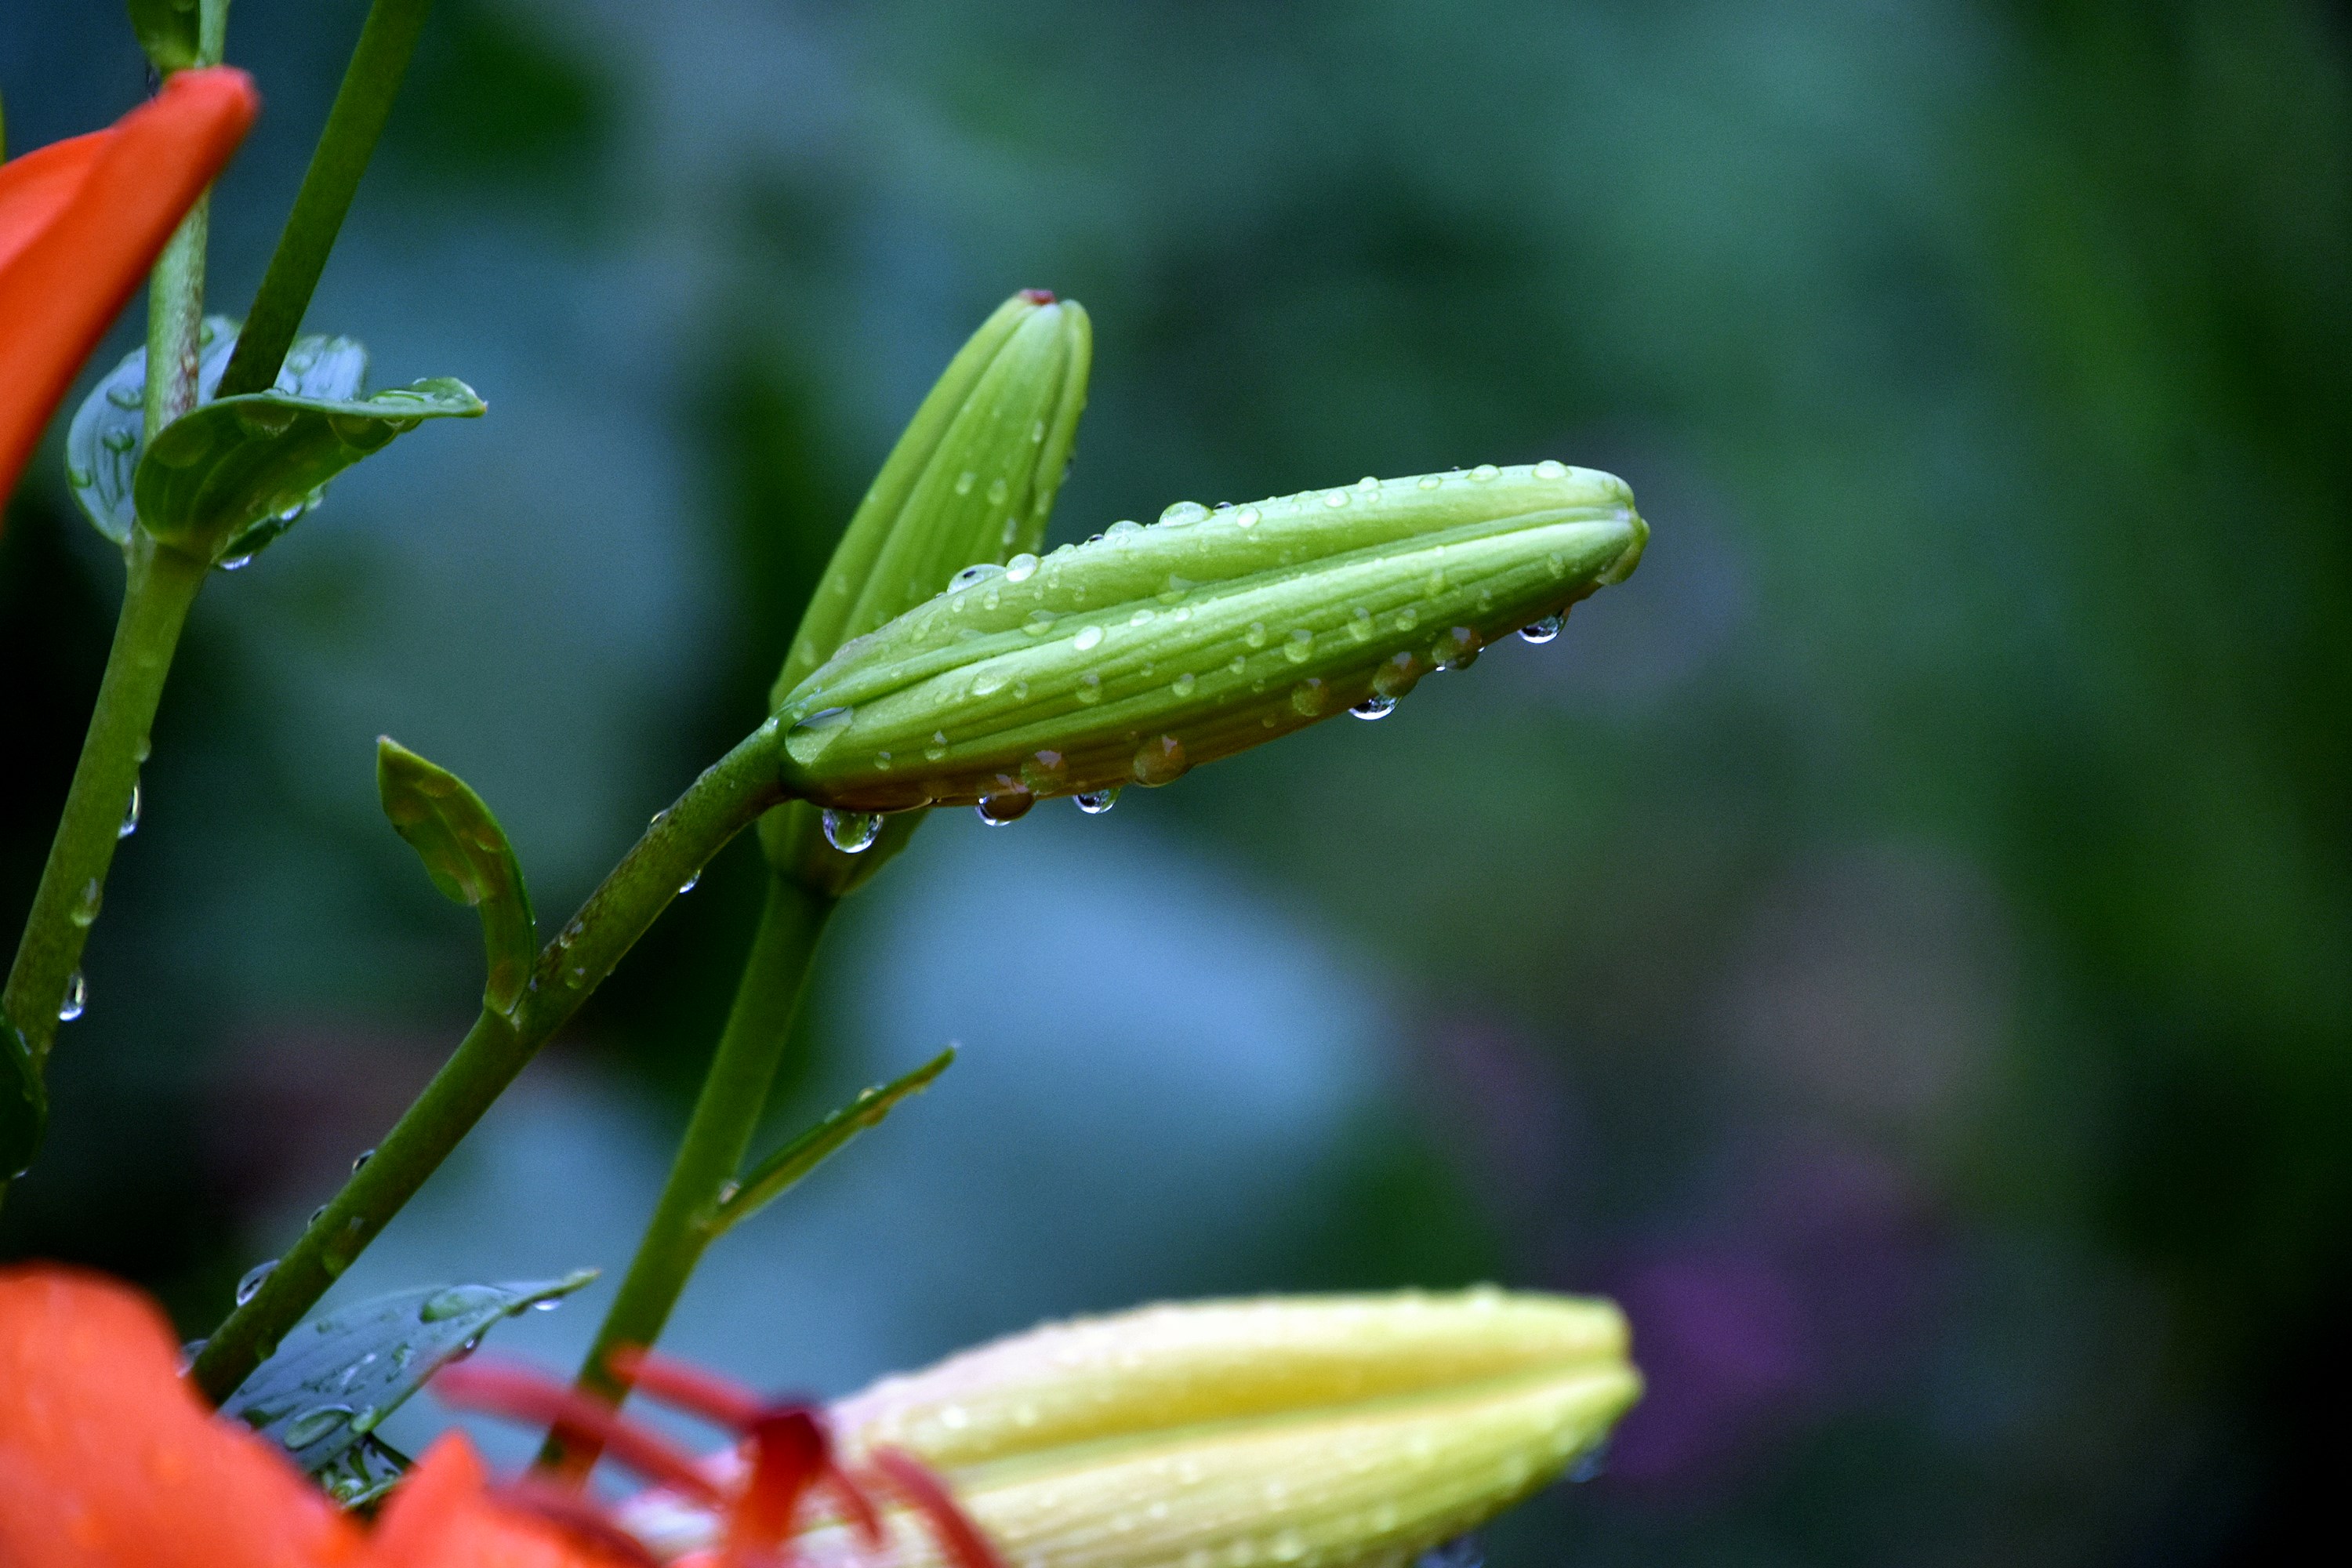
(1900, 943)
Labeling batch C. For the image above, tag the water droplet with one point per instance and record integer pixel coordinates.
(365, 1157)
(448, 1303)
(979, 571)
(1095, 802)
(938, 748)
(311, 1425)
(316, 1215)
(1374, 707)
(130, 814)
(808, 739)
(1039, 623)
(189, 1353)
(85, 908)
(1335, 497)
(1182, 684)
(1142, 617)
(1246, 518)
(1005, 806)
(250, 1286)
(1046, 772)
(1590, 1463)
(236, 564)
(730, 1190)
(1090, 688)
(1429, 481)
(264, 419)
(1160, 761)
(117, 440)
(1310, 697)
(988, 682)
(76, 1000)
(1123, 528)
(1182, 514)
(1483, 472)
(571, 932)
(1544, 630)
(658, 817)
(851, 832)
(691, 883)
(547, 1305)
(964, 481)
(1552, 468)
(1300, 647)
(1360, 623)
(1088, 636)
(1457, 650)
(1396, 674)
(997, 491)
(1021, 568)
(1256, 636)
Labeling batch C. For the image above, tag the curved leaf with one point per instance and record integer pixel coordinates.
(229, 477)
(104, 443)
(329, 1385)
(24, 1104)
(466, 854)
(167, 30)
(781, 1171)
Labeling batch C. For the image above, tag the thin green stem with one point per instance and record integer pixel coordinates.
(161, 586)
(212, 32)
(175, 316)
(717, 1136)
(720, 804)
(371, 82)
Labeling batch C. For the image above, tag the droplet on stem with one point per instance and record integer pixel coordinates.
(250, 1286)
(130, 814)
(75, 999)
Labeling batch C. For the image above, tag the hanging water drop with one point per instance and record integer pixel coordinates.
(1374, 707)
(365, 1157)
(693, 880)
(130, 814)
(1006, 805)
(851, 832)
(75, 999)
(1095, 802)
(236, 564)
(1544, 630)
(85, 906)
(250, 1286)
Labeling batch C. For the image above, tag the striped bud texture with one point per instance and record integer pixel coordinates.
(1305, 1432)
(971, 480)
(1146, 651)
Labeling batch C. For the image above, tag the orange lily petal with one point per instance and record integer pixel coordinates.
(107, 1460)
(442, 1517)
(81, 221)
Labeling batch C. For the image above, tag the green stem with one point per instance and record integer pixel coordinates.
(161, 586)
(717, 1136)
(720, 804)
(371, 82)
(175, 317)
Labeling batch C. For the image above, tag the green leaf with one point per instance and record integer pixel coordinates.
(330, 1384)
(104, 443)
(466, 854)
(776, 1175)
(223, 481)
(168, 32)
(24, 1104)
(361, 1476)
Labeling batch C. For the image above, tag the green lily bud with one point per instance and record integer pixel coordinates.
(1280, 1433)
(972, 480)
(1146, 651)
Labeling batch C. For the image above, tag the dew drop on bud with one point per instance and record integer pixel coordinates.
(808, 739)
(1246, 518)
(1483, 472)
(1552, 468)
(250, 1286)
(1123, 528)
(1021, 568)
(691, 883)
(130, 814)
(1095, 802)
(237, 563)
(852, 831)
(85, 906)
(1160, 761)
(75, 999)
(1182, 513)
(980, 573)
(1004, 806)
(1544, 630)
(1374, 707)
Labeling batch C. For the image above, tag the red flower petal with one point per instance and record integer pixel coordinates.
(80, 222)
(107, 1460)
(441, 1517)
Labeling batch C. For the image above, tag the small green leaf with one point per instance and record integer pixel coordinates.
(24, 1104)
(330, 1384)
(225, 479)
(360, 1476)
(776, 1175)
(466, 854)
(168, 32)
(104, 443)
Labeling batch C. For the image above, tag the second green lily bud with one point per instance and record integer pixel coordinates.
(1278, 1433)
(972, 481)
(1148, 651)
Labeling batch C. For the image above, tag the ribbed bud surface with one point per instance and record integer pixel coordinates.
(1151, 650)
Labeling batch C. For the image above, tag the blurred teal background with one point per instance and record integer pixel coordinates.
(1900, 943)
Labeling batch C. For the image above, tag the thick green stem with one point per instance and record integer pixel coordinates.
(717, 1136)
(371, 82)
(720, 804)
(161, 586)
(175, 316)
